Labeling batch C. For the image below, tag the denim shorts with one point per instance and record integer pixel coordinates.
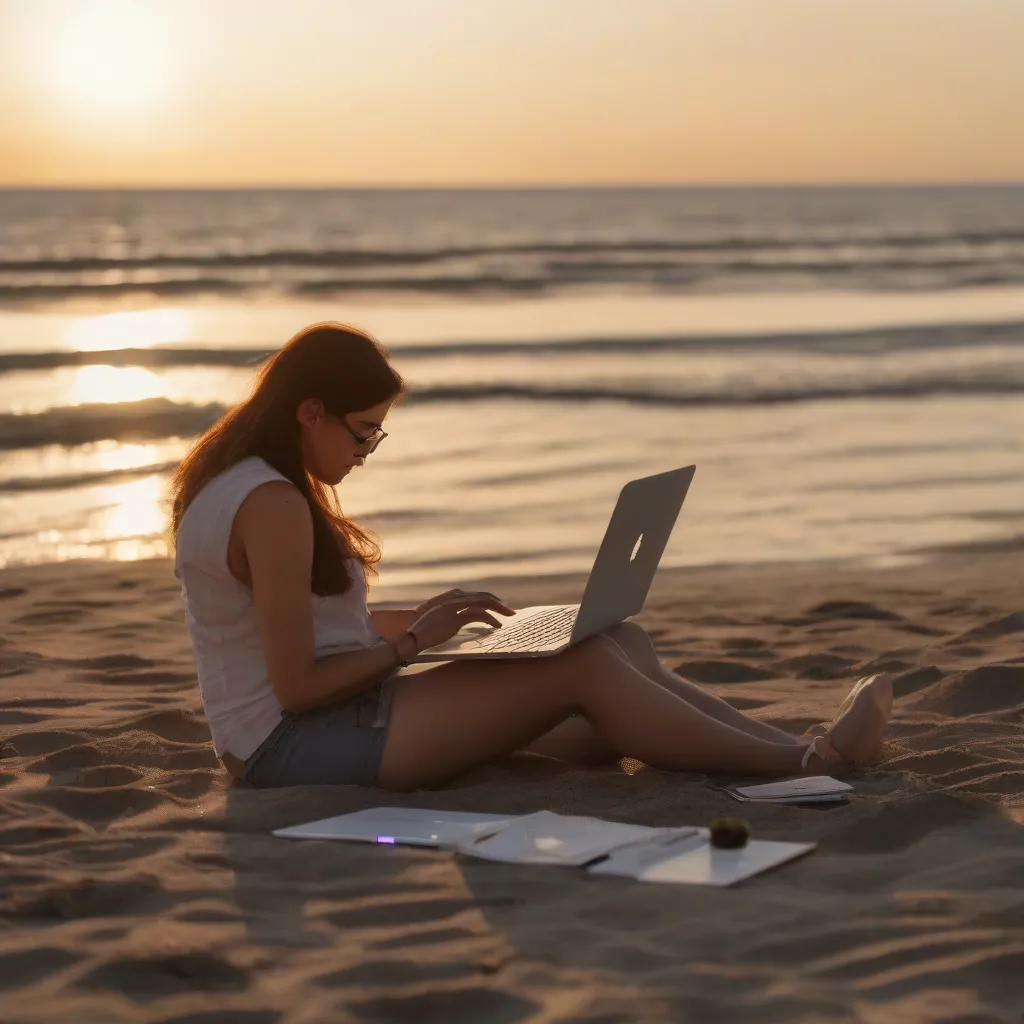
(340, 744)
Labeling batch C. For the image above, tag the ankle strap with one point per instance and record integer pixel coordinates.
(812, 748)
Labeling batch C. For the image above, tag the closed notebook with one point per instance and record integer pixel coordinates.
(811, 789)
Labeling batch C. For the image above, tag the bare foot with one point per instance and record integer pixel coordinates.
(824, 728)
(856, 731)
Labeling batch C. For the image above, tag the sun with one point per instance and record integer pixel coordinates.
(110, 58)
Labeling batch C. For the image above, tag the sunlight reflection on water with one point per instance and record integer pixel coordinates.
(130, 524)
(104, 384)
(132, 328)
(135, 508)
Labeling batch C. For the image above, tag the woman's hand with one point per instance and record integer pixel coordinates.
(446, 614)
(448, 595)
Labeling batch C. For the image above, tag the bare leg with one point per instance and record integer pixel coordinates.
(639, 649)
(466, 713)
(858, 722)
(637, 646)
(573, 740)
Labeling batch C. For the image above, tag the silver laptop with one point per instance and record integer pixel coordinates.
(623, 571)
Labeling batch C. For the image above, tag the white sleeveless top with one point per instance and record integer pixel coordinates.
(234, 683)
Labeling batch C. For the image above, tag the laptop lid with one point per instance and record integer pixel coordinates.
(412, 826)
(633, 544)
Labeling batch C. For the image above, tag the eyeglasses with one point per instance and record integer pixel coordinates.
(372, 440)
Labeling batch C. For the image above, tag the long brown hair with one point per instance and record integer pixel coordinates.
(348, 371)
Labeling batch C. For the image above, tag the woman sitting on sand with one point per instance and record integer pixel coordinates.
(301, 682)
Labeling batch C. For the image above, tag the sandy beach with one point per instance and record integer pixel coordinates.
(136, 884)
(779, 241)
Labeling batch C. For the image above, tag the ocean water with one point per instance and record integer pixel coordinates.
(844, 366)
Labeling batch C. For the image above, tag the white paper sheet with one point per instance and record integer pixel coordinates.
(548, 838)
(692, 860)
(414, 826)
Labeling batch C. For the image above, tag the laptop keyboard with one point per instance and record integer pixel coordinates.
(554, 627)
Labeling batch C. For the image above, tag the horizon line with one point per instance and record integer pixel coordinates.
(909, 183)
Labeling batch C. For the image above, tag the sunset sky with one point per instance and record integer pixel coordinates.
(409, 92)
